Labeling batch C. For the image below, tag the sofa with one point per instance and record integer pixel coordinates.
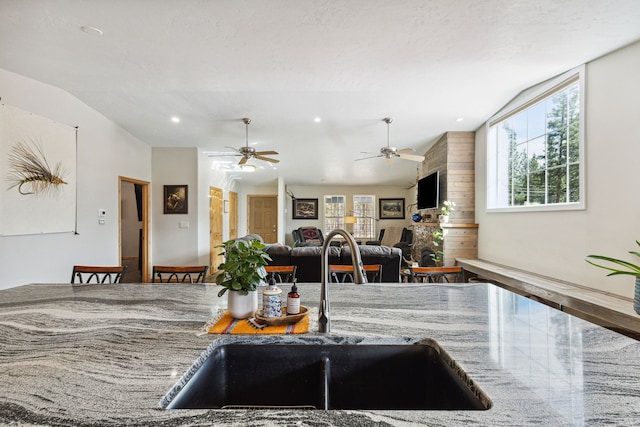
(309, 269)
(307, 259)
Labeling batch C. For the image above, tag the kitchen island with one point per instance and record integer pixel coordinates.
(107, 355)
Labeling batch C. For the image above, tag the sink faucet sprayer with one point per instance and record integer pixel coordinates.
(324, 322)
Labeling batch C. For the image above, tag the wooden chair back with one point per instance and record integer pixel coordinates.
(339, 273)
(179, 273)
(437, 274)
(98, 274)
(281, 273)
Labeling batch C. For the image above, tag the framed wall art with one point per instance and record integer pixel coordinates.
(176, 199)
(305, 208)
(391, 208)
(38, 174)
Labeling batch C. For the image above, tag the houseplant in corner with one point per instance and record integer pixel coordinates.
(629, 269)
(241, 273)
(447, 207)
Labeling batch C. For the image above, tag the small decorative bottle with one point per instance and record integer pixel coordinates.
(293, 300)
(272, 300)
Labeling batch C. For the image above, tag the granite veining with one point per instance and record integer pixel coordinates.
(106, 355)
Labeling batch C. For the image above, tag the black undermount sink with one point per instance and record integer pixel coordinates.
(325, 376)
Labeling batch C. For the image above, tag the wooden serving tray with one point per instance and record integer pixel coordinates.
(285, 319)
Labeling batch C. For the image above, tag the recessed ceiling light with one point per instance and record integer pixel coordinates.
(317, 119)
(94, 31)
(459, 119)
(175, 119)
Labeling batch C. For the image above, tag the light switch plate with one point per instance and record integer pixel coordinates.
(102, 212)
(184, 224)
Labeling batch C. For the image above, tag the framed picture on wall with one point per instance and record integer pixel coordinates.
(391, 208)
(305, 208)
(176, 198)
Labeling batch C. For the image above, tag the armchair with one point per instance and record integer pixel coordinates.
(395, 237)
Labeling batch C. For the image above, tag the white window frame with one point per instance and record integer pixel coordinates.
(338, 218)
(364, 219)
(538, 94)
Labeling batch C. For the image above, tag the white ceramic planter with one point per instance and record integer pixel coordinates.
(242, 306)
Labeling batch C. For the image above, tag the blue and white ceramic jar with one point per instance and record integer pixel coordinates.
(272, 300)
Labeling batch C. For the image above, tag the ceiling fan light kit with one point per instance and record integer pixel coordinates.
(390, 152)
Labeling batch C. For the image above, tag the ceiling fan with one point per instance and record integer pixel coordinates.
(247, 152)
(389, 152)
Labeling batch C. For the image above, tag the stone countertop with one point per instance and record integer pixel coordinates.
(106, 355)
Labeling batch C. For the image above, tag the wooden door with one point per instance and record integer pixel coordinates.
(263, 217)
(233, 215)
(215, 228)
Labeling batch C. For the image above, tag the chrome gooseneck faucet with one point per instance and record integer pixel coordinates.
(324, 321)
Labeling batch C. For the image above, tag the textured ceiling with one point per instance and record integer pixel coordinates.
(282, 63)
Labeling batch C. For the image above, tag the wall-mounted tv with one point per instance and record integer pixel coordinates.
(428, 191)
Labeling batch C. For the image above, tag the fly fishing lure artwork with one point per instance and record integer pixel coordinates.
(30, 172)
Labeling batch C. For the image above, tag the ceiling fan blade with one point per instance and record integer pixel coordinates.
(267, 152)
(413, 157)
(267, 159)
(231, 148)
(243, 160)
(370, 157)
(405, 150)
(222, 154)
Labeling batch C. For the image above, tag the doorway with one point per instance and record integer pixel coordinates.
(215, 228)
(263, 217)
(134, 229)
(233, 215)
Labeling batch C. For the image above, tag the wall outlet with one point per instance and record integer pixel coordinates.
(101, 221)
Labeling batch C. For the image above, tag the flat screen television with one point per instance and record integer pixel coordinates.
(429, 191)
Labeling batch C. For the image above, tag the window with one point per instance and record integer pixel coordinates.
(334, 211)
(534, 150)
(363, 210)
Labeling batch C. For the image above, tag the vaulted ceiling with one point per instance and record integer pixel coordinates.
(431, 65)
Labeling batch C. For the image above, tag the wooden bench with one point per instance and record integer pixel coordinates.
(594, 305)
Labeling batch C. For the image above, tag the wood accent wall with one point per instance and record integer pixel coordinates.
(453, 155)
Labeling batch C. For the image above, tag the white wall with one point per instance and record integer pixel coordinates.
(105, 151)
(173, 245)
(555, 243)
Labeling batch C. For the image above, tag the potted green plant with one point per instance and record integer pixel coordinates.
(629, 269)
(241, 273)
(438, 239)
(447, 207)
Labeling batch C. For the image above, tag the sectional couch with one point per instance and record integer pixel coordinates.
(308, 260)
